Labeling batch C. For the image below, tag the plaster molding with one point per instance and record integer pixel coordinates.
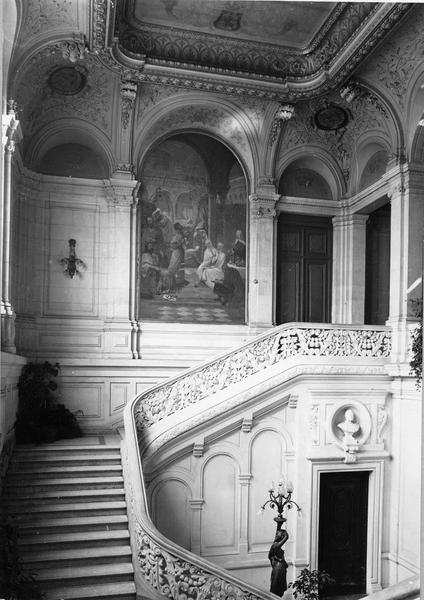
(263, 207)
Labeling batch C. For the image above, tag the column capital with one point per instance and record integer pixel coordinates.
(245, 478)
(11, 131)
(263, 206)
(119, 192)
(196, 503)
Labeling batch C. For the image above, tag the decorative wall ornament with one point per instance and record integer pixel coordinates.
(381, 422)
(350, 428)
(349, 425)
(314, 424)
(284, 343)
(246, 425)
(198, 449)
(128, 96)
(72, 264)
(283, 113)
(263, 208)
(68, 80)
(73, 50)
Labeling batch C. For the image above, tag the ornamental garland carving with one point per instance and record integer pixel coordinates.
(237, 366)
(176, 578)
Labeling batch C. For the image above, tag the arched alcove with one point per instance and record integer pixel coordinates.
(191, 232)
(301, 181)
(374, 168)
(73, 160)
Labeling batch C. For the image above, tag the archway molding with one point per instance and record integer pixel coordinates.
(194, 114)
(68, 131)
(319, 160)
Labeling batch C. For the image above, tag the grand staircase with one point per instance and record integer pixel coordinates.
(69, 504)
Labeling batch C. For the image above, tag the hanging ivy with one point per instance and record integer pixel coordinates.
(416, 362)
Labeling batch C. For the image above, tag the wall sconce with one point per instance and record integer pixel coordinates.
(280, 498)
(72, 262)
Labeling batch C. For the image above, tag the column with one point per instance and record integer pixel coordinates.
(11, 134)
(349, 251)
(262, 237)
(406, 188)
(196, 506)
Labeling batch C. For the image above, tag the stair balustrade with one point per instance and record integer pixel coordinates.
(164, 569)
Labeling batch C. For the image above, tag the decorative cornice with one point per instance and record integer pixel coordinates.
(263, 207)
(177, 57)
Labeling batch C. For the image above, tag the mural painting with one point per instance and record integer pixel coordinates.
(192, 265)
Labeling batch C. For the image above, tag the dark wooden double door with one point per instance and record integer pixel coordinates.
(343, 516)
(304, 263)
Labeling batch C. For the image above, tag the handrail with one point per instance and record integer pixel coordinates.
(165, 566)
(408, 588)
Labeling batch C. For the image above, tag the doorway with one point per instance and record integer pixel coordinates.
(304, 260)
(342, 536)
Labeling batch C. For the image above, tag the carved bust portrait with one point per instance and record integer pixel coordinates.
(349, 427)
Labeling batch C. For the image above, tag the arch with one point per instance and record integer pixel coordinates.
(367, 146)
(68, 131)
(374, 167)
(415, 113)
(169, 500)
(318, 160)
(193, 114)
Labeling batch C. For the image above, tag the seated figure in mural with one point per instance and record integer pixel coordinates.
(210, 257)
(149, 272)
(199, 244)
(174, 274)
(215, 272)
(230, 290)
(238, 250)
(278, 563)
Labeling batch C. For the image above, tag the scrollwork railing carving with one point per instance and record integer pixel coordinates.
(282, 343)
(164, 566)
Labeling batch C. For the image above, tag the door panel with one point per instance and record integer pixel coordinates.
(303, 269)
(342, 550)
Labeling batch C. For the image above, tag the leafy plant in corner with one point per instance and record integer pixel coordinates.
(416, 363)
(41, 419)
(16, 583)
(310, 584)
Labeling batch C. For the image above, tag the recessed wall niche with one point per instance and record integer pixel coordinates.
(74, 160)
(192, 233)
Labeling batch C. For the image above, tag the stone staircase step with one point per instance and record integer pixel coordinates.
(80, 575)
(92, 523)
(82, 459)
(74, 495)
(72, 540)
(87, 556)
(67, 483)
(111, 591)
(61, 471)
(61, 510)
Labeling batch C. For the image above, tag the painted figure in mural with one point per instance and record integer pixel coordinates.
(151, 235)
(278, 563)
(174, 272)
(230, 291)
(238, 251)
(215, 272)
(199, 243)
(167, 231)
(210, 256)
(149, 272)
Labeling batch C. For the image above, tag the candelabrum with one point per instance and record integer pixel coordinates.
(280, 497)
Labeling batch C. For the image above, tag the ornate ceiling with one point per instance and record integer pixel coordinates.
(282, 49)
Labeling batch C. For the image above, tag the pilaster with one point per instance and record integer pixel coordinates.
(406, 187)
(261, 256)
(11, 134)
(349, 247)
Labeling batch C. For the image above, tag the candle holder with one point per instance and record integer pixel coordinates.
(280, 497)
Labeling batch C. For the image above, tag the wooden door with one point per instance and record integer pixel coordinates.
(342, 546)
(304, 259)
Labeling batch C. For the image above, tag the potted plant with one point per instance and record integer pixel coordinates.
(310, 584)
(416, 362)
(41, 419)
(16, 583)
